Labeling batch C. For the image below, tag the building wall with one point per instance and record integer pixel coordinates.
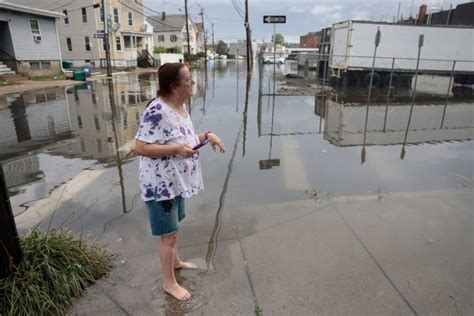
(310, 40)
(181, 39)
(25, 47)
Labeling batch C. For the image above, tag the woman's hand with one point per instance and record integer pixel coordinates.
(216, 141)
(185, 151)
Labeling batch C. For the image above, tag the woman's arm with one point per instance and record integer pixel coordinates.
(215, 141)
(158, 151)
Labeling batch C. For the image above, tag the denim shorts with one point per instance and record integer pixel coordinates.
(165, 215)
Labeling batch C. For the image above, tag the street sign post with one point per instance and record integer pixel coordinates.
(274, 19)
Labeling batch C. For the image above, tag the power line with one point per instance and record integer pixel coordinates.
(148, 17)
(237, 8)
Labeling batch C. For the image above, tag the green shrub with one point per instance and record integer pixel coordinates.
(56, 267)
(159, 50)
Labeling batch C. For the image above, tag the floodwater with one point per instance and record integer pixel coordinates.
(76, 143)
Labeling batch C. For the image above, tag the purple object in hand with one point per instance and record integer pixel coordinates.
(207, 140)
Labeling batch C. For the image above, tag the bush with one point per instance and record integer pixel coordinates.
(56, 267)
(159, 50)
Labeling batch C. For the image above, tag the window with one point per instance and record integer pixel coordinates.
(79, 121)
(130, 18)
(173, 38)
(46, 65)
(161, 38)
(87, 43)
(104, 44)
(34, 26)
(101, 14)
(69, 44)
(84, 15)
(34, 65)
(116, 15)
(66, 18)
(119, 45)
(96, 122)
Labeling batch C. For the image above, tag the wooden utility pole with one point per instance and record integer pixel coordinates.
(106, 40)
(204, 31)
(187, 27)
(213, 44)
(247, 27)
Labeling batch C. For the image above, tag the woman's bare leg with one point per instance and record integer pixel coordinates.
(178, 264)
(167, 256)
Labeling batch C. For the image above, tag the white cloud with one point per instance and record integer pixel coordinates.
(331, 10)
(297, 10)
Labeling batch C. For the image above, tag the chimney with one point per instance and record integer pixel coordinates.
(422, 14)
(163, 15)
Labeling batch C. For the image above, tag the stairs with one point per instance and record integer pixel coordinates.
(4, 70)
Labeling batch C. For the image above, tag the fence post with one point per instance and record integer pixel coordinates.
(388, 95)
(447, 94)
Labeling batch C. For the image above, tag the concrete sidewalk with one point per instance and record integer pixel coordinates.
(398, 254)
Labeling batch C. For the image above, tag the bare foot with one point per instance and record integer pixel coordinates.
(185, 265)
(178, 292)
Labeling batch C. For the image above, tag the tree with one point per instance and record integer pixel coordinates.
(279, 39)
(221, 48)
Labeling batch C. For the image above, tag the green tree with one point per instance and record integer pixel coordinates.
(221, 48)
(279, 39)
(159, 50)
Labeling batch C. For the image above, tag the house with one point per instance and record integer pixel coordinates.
(29, 40)
(310, 40)
(240, 48)
(169, 31)
(81, 31)
(200, 45)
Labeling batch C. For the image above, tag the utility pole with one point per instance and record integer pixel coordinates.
(247, 27)
(213, 44)
(204, 31)
(106, 39)
(187, 27)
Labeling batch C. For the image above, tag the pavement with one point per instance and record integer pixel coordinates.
(383, 254)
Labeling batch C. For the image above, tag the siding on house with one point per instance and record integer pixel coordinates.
(22, 38)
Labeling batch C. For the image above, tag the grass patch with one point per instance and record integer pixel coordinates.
(56, 267)
(59, 76)
(4, 83)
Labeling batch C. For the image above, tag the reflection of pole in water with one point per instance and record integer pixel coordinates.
(213, 77)
(205, 89)
(420, 45)
(447, 94)
(377, 42)
(118, 159)
(259, 105)
(20, 120)
(212, 247)
(237, 93)
(247, 88)
(388, 95)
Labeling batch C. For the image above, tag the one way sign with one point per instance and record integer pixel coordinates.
(274, 19)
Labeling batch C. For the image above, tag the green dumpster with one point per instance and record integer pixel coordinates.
(79, 75)
(67, 64)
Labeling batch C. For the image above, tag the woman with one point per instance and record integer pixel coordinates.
(169, 167)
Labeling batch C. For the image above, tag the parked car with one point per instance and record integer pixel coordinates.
(273, 60)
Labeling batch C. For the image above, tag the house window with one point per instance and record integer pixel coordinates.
(46, 65)
(173, 38)
(130, 18)
(66, 18)
(34, 26)
(87, 43)
(96, 122)
(84, 15)
(79, 121)
(116, 15)
(118, 43)
(161, 38)
(104, 44)
(34, 65)
(69, 44)
(101, 14)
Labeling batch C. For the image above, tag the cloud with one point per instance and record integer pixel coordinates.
(297, 10)
(326, 10)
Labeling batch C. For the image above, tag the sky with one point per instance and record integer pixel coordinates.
(302, 16)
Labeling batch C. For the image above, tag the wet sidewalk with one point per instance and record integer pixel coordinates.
(390, 254)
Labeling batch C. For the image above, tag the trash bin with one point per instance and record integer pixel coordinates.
(67, 64)
(79, 75)
(87, 72)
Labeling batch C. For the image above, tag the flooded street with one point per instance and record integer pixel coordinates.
(68, 159)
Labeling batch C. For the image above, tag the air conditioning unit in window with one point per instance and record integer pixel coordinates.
(37, 38)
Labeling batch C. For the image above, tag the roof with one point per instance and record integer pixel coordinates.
(22, 8)
(172, 22)
(199, 27)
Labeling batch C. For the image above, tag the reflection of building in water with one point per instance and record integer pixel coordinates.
(98, 125)
(345, 124)
(22, 171)
(32, 120)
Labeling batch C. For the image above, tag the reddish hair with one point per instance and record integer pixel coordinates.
(168, 76)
